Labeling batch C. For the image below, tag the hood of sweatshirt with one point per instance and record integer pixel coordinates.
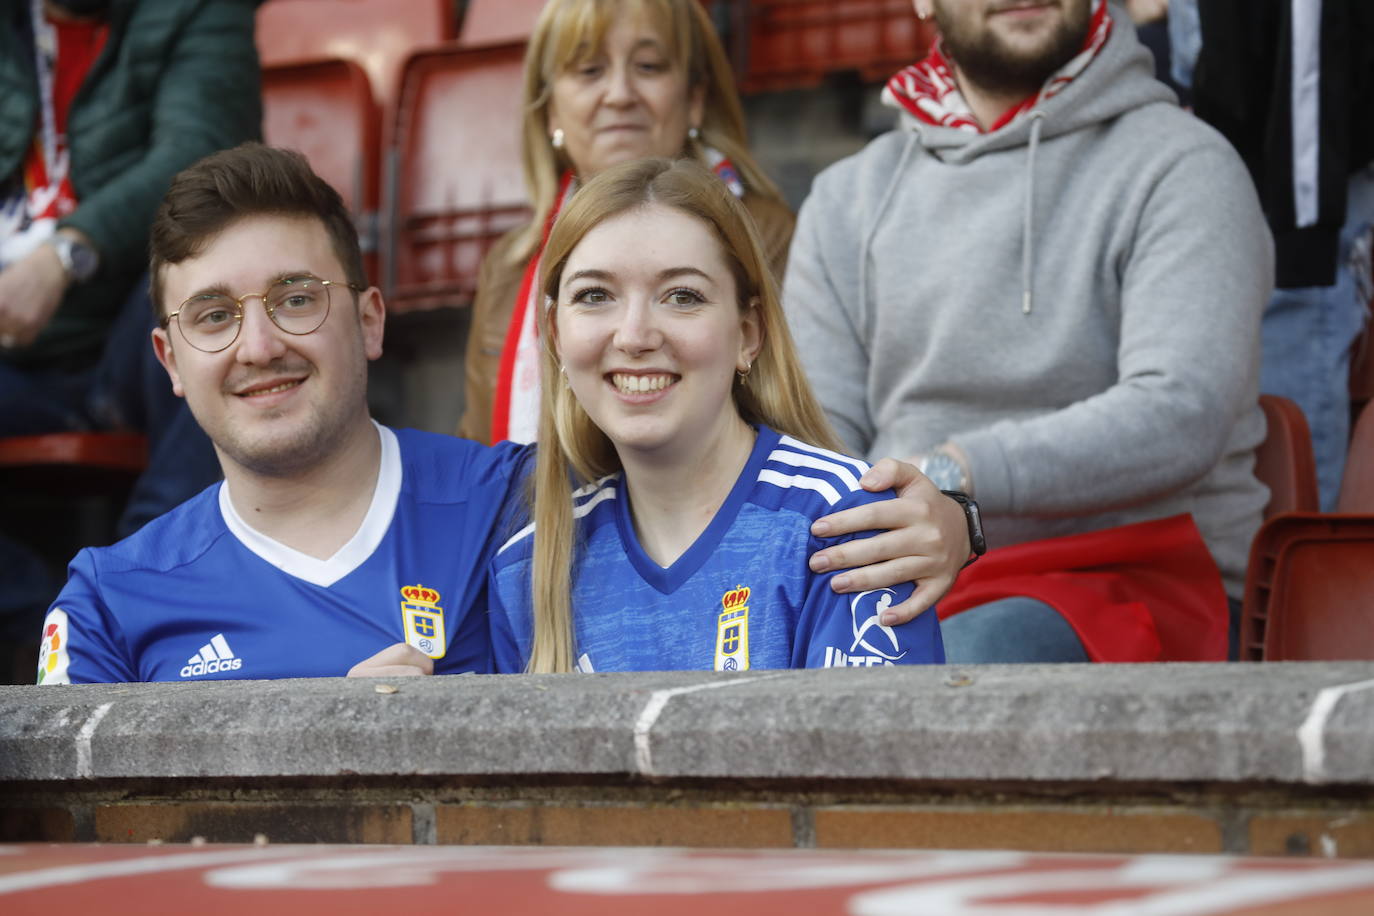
(1120, 78)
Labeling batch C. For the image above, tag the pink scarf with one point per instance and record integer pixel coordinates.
(515, 403)
(928, 91)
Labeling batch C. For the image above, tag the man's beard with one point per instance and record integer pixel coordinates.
(986, 61)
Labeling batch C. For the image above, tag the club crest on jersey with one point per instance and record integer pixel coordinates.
(423, 620)
(732, 631)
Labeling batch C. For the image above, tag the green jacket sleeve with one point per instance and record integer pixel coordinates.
(125, 149)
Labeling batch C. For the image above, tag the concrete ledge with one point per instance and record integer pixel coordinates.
(1020, 724)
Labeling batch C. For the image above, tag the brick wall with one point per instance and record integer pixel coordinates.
(1123, 759)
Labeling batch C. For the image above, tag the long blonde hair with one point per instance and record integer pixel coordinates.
(572, 450)
(568, 29)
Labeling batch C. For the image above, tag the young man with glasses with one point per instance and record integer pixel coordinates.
(332, 539)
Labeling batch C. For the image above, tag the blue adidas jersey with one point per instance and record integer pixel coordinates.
(197, 594)
(741, 597)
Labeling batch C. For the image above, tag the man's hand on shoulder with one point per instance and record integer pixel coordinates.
(923, 538)
(398, 660)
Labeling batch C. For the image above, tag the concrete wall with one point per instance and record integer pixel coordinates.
(1268, 759)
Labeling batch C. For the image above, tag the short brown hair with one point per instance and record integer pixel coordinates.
(248, 180)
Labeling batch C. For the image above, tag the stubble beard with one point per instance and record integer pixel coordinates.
(317, 436)
(984, 59)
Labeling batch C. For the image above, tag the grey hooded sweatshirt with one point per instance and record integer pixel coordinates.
(1074, 300)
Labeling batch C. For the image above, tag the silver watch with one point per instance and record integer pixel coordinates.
(79, 260)
(944, 471)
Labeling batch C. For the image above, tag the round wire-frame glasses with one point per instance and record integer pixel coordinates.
(298, 305)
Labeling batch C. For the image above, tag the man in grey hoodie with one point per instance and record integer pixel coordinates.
(1046, 286)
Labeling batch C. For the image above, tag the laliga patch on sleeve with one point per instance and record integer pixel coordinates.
(53, 659)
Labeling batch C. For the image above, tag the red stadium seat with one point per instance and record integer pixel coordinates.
(63, 491)
(1357, 487)
(1309, 592)
(497, 21)
(378, 35)
(456, 182)
(326, 110)
(1284, 459)
(110, 451)
(795, 43)
(1309, 589)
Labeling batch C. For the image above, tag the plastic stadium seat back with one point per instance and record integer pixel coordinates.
(326, 110)
(60, 492)
(455, 179)
(1357, 486)
(1283, 461)
(378, 35)
(108, 451)
(497, 21)
(795, 43)
(1309, 588)
(1309, 592)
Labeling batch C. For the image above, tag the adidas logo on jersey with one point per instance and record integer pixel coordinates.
(215, 656)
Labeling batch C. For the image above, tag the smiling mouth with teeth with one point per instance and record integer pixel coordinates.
(640, 384)
(273, 390)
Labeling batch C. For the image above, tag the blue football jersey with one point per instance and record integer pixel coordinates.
(198, 594)
(741, 597)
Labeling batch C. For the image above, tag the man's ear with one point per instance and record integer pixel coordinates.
(372, 316)
(162, 349)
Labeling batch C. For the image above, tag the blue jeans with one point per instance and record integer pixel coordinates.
(1010, 630)
(1307, 337)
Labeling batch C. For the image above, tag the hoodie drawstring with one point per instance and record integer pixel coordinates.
(1037, 119)
(897, 175)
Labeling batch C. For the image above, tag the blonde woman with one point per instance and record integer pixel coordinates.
(606, 81)
(701, 459)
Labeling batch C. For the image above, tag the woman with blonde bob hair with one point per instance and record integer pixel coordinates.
(606, 81)
(700, 455)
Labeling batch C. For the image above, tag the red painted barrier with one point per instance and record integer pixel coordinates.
(345, 880)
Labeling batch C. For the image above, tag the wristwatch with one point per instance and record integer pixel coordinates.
(976, 541)
(79, 260)
(943, 470)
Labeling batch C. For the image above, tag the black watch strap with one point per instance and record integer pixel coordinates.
(976, 541)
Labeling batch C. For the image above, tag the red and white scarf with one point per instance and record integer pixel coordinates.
(515, 403)
(928, 91)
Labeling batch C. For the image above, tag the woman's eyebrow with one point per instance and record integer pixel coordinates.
(590, 274)
(672, 273)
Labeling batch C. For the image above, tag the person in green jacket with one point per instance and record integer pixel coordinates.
(101, 103)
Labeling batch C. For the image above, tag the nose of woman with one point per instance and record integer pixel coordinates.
(637, 329)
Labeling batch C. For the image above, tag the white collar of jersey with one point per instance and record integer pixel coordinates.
(350, 556)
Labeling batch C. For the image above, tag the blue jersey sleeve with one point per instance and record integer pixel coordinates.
(839, 631)
(81, 642)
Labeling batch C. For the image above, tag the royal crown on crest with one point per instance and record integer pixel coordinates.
(418, 594)
(737, 597)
